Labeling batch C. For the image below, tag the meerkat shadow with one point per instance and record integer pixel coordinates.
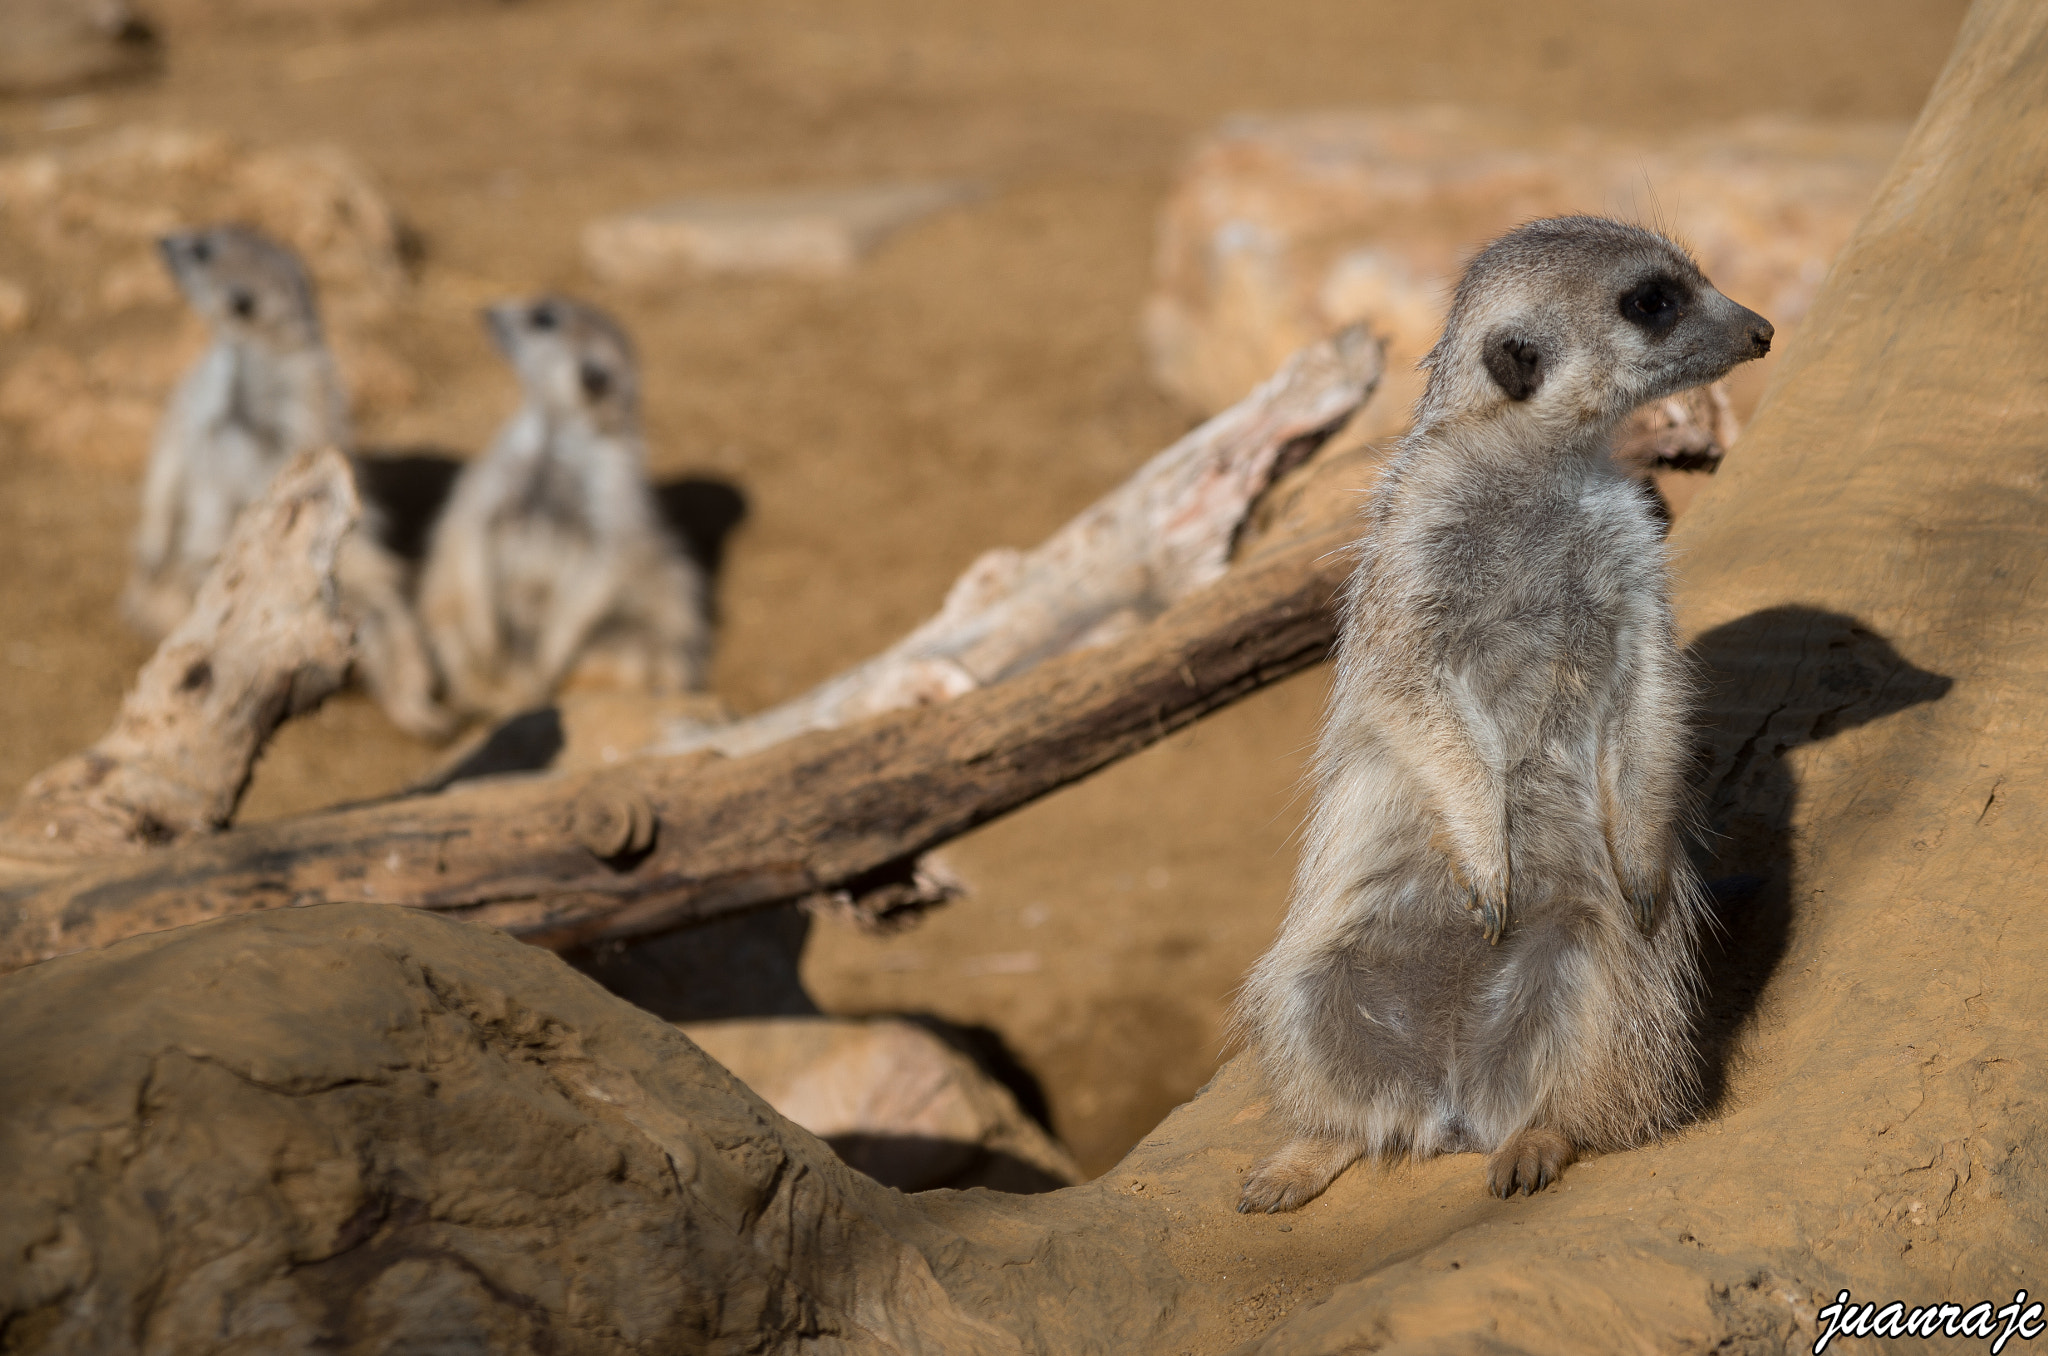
(1775, 681)
(702, 512)
(749, 965)
(410, 486)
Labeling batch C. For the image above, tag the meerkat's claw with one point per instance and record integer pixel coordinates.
(1508, 740)
(1493, 915)
(1296, 1175)
(1531, 1160)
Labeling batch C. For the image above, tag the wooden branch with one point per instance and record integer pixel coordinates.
(660, 842)
(1164, 533)
(841, 815)
(262, 642)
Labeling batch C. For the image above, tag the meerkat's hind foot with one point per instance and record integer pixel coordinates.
(1301, 1171)
(1530, 1160)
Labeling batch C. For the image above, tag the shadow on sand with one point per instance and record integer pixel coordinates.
(1776, 680)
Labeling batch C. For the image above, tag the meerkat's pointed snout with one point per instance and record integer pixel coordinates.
(182, 252)
(1750, 332)
(501, 323)
(1760, 333)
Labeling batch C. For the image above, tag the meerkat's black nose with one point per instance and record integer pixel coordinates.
(1760, 332)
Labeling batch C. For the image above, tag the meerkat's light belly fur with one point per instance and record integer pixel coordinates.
(1384, 1014)
(1491, 940)
(551, 561)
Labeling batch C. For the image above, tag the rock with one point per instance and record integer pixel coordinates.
(90, 214)
(362, 1128)
(810, 232)
(1283, 228)
(86, 219)
(54, 45)
(893, 1099)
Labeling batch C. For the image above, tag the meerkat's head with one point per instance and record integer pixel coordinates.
(245, 284)
(570, 357)
(1575, 321)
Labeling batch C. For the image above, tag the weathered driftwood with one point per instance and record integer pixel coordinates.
(661, 842)
(1691, 431)
(1158, 537)
(658, 842)
(263, 641)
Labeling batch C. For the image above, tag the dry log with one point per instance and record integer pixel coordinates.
(263, 641)
(1164, 533)
(661, 842)
(656, 843)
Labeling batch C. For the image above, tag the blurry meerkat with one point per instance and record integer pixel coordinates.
(1490, 945)
(264, 391)
(551, 556)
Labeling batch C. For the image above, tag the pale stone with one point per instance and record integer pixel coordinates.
(1281, 229)
(814, 231)
(87, 217)
(892, 1098)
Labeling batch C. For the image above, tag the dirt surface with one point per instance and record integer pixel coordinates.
(972, 385)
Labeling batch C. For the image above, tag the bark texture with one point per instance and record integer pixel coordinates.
(816, 810)
(264, 641)
(1167, 532)
(659, 842)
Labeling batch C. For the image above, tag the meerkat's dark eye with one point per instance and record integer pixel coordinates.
(202, 250)
(1656, 305)
(242, 302)
(596, 381)
(543, 317)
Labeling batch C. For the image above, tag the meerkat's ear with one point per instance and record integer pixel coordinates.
(1516, 364)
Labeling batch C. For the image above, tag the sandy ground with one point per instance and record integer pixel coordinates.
(974, 384)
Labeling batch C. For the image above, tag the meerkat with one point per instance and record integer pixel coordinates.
(1490, 944)
(552, 555)
(264, 391)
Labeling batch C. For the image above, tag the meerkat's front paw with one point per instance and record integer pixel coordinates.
(1531, 1160)
(1643, 903)
(1642, 890)
(1296, 1175)
(1489, 907)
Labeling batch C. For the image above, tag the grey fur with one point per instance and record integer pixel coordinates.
(552, 554)
(1491, 942)
(264, 391)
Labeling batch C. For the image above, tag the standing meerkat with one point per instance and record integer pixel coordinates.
(264, 391)
(1491, 941)
(551, 555)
